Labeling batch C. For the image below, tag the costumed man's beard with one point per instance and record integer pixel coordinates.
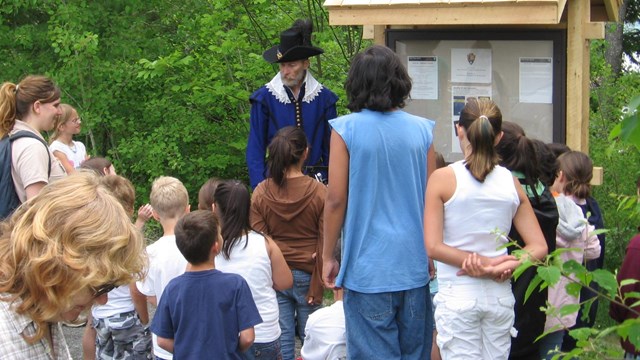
(289, 82)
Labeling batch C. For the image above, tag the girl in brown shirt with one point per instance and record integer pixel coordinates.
(288, 206)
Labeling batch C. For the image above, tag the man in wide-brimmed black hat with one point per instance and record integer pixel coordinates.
(292, 98)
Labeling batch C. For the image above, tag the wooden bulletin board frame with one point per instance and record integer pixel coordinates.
(544, 121)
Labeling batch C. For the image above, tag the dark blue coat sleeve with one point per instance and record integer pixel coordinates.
(257, 142)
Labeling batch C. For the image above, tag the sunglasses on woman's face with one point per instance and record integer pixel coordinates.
(102, 290)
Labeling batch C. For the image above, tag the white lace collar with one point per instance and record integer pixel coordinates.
(312, 88)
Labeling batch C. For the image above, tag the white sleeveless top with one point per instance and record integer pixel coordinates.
(478, 216)
(253, 264)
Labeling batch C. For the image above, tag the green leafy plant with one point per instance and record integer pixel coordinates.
(592, 343)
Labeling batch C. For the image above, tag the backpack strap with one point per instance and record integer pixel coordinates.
(29, 134)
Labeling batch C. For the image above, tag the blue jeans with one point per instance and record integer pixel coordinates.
(294, 311)
(550, 344)
(391, 325)
(264, 351)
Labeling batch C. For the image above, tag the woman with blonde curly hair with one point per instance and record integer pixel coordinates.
(60, 253)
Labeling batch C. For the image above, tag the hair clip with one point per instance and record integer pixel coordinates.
(16, 90)
(483, 117)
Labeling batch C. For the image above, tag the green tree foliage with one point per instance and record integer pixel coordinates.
(631, 35)
(163, 86)
(609, 97)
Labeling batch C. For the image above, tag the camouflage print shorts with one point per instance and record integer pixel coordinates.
(122, 337)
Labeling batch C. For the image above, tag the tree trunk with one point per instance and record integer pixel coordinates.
(613, 38)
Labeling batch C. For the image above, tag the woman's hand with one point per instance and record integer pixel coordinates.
(498, 269)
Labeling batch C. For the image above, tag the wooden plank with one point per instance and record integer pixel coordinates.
(598, 176)
(613, 9)
(367, 32)
(561, 6)
(379, 34)
(594, 30)
(456, 14)
(577, 76)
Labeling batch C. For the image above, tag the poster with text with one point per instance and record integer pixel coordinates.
(423, 71)
(536, 80)
(459, 96)
(471, 66)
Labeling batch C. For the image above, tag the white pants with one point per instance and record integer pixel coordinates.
(474, 321)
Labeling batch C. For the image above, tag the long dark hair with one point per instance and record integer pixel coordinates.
(547, 162)
(518, 153)
(233, 204)
(482, 121)
(287, 148)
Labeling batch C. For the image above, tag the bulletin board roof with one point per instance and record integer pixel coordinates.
(460, 12)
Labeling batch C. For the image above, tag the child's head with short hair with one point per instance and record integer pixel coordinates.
(558, 148)
(205, 195)
(169, 198)
(547, 162)
(196, 234)
(122, 189)
(101, 166)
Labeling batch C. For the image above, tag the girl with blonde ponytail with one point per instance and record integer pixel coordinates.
(470, 207)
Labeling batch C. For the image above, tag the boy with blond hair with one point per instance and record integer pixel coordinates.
(170, 201)
(205, 313)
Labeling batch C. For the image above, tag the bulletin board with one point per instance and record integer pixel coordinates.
(524, 72)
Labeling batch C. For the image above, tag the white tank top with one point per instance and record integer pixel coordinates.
(253, 264)
(478, 216)
(119, 301)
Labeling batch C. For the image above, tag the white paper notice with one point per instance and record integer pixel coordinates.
(536, 80)
(471, 66)
(459, 96)
(423, 71)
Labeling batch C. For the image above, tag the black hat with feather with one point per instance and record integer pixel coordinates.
(295, 44)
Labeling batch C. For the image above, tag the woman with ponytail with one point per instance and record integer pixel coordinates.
(288, 207)
(470, 206)
(29, 108)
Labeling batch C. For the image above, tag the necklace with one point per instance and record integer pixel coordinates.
(72, 147)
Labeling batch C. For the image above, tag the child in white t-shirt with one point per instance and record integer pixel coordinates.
(70, 153)
(325, 337)
(170, 202)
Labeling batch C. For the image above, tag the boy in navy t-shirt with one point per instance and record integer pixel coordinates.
(204, 313)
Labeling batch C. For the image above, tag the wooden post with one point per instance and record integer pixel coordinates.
(578, 75)
(378, 34)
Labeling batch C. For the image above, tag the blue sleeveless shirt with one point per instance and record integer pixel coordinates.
(382, 241)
